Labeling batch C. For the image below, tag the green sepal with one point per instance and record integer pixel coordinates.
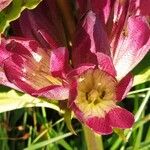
(13, 11)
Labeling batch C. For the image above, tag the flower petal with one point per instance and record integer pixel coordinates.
(72, 93)
(59, 62)
(53, 92)
(90, 39)
(4, 54)
(49, 32)
(140, 7)
(102, 7)
(124, 87)
(105, 63)
(4, 80)
(99, 125)
(27, 65)
(79, 70)
(120, 118)
(132, 46)
(14, 74)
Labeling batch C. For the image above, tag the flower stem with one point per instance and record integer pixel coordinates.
(93, 140)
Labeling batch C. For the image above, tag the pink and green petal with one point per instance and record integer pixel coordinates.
(132, 45)
(54, 92)
(124, 87)
(120, 118)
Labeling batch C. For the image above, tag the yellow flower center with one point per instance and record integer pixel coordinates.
(96, 93)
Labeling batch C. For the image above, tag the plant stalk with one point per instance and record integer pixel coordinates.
(93, 140)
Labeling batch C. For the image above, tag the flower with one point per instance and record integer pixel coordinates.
(106, 48)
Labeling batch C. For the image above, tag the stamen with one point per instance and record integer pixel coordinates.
(96, 92)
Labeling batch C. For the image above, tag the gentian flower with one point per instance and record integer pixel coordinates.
(107, 45)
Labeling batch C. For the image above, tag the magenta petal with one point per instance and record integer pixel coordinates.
(105, 63)
(4, 54)
(72, 93)
(24, 67)
(79, 70)
(50, 41)
(124, 87)
(54, 92)
(101, 7)
(82, 6)
(144, 7)
(120, 118)
(132, 45)
(90, 39)
(59, 61)
(46, 18)
(4, 80)
(99, 125)
(14, 74)
(140, 7)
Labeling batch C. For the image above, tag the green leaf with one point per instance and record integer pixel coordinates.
(13, 11)
(120, 133)
(142, 71)
(12, 100)
(47, 142)
(67, 117)
(144, 76)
